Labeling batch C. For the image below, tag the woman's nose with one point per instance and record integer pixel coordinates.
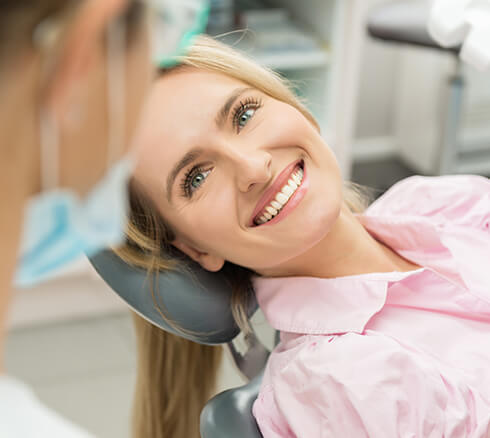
(252, 168)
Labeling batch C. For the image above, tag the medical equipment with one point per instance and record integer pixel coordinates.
(466, 23)
(199, 302)
(405, 22)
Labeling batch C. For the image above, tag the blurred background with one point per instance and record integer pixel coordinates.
(382, 108)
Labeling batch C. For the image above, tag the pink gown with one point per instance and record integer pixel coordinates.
(396, 354)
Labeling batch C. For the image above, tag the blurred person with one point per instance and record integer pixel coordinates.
(73, 77)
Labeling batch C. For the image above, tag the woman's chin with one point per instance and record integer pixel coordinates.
(276, 260)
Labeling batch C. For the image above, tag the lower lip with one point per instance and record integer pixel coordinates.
(293, 201)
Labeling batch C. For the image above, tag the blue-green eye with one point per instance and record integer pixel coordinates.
(244, 112)
(245, 117)
(193, 180)
(197, 180)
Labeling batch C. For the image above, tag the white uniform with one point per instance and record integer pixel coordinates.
(465, 22)
(23, 416)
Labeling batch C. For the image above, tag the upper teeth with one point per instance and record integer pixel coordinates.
(281, 198)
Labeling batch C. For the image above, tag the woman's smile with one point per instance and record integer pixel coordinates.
(283, 195)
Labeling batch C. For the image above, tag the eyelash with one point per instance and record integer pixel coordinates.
(238, 111)
(187, 180)
(242, 107)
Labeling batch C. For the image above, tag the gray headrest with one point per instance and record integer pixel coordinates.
(199, 302)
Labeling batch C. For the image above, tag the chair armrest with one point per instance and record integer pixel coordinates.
(229, 414)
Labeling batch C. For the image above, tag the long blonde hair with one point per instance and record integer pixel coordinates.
(170, 369)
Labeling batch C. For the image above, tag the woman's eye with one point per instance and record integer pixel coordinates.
(198, 180)
(193, 180)
(244, 112)
(245, 117)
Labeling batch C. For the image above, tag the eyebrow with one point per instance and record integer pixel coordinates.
(225, 109)
(195, 153)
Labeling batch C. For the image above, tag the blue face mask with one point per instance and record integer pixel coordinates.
(60, 226)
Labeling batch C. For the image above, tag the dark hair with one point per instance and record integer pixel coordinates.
(19, 18)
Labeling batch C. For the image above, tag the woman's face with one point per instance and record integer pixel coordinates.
(215, 157)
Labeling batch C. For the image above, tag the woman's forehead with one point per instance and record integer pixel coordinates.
(193, 84)
(184, 102)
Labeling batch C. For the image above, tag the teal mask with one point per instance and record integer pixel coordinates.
(175, 24)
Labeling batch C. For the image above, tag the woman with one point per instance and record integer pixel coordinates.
(384, 316)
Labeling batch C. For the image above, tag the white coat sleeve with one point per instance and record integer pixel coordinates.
(22, 415)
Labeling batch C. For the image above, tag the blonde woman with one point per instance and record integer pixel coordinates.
(384, 313)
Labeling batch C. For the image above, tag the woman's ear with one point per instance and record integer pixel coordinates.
(83, 39)
(207, 261)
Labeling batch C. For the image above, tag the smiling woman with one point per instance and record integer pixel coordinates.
(221, 139)
(235, 174)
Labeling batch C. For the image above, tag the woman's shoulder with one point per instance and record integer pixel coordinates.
(443, 198)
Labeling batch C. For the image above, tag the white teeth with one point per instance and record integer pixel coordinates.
(292, 184)
(287, 190)
(282, 198)
(276, 205)
(271, 210)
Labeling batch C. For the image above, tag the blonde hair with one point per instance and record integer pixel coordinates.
(157, 403)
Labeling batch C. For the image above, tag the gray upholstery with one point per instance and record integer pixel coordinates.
(229, 414)
(403, 22)
(198, 302)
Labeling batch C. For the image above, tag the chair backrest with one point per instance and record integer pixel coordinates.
(197, 300)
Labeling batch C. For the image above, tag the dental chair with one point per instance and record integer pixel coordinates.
(405, 22)
(199, 302)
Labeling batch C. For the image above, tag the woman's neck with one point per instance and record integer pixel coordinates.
(348, 249)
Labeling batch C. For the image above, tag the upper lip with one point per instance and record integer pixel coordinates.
(269, 195)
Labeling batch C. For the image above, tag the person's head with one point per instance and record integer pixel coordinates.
(239, 130)
(53, 64)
